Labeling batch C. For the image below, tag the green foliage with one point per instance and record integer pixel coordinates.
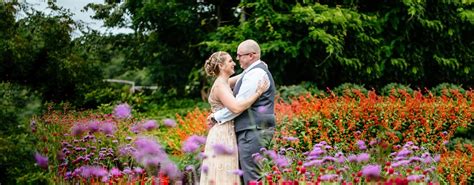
(396, 90)
(39, 53)
(292, 91)
(350, 90)
(331, 42)
(17, 106)
(448, 89)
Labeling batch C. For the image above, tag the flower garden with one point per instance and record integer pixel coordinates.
(356, 138)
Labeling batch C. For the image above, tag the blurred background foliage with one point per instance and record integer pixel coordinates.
(323, 43)
(310, 46)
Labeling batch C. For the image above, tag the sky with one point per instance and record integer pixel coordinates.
(75, 6)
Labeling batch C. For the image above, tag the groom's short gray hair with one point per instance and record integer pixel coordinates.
(251, 46)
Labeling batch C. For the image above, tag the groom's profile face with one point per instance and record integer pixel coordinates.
(244, 57)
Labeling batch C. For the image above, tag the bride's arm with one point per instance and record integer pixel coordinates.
(237, 106)
(233, 80)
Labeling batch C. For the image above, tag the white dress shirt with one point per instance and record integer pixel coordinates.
(248, 87)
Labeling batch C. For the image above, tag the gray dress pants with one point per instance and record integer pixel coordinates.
(250, 142)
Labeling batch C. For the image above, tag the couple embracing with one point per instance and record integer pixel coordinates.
(242, 118)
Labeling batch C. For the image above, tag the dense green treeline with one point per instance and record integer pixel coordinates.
(327, 43)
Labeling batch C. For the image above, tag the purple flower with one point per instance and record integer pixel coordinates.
(261, 109)
(313, 163)
(339, 154)
(352, 158)
(149, 125)
(104, 179)
(290, 138)
(415, 159)
(363, 157)
(136, 128)
(169, 123)
(148, 152)
(316, 151)
(415, 177)
(88, 171)
(281, 161)
(329, 158)
(68, 175)
(257, 157)
(193, 143)
(127, 170)
(138, 170)
(202, 155)
(401, 163)
(373, 142)
(170, 169)
(108, 128)
(220, 149)
(328, 177)
(204, 168)
(123, 111)
(99, 171)
(371, 170)
(190, 147)
(427, 160)
(361, 145)
(41, 161)
(271, 153)
(237, 172)
(77, 129)
(341, 159)
(189, 168)
(437, 158)
(115, 172)
(403, 153)
(197, 139)
(93, 126)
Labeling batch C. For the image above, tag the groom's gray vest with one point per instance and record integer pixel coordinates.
(261, 114)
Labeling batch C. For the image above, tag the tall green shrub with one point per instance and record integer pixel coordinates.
(17, 106)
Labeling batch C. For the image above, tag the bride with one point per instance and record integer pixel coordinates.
(221, 162)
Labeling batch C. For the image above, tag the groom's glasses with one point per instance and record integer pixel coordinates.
(241, 55)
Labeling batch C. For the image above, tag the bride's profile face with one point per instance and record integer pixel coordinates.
(228, 65)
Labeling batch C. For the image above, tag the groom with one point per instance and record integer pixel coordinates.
(255, 126)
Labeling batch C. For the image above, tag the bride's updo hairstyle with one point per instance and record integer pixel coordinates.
(212, 64)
